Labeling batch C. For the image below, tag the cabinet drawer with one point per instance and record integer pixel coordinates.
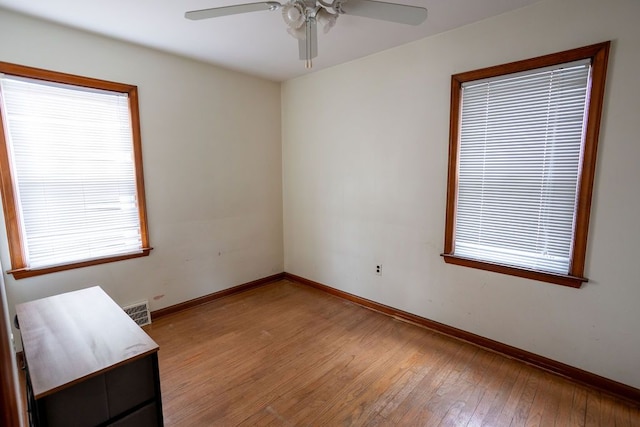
(130, 385)
(83, 405)
(143, 417)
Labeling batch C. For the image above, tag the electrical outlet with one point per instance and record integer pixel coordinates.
(379, 269)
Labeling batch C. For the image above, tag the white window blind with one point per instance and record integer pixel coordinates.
(71, 154)
(521, 141)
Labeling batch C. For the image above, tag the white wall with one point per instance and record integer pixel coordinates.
(365, 149)
(212, 165)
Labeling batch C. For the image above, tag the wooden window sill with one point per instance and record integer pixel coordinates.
(22, 273)
(558, 279)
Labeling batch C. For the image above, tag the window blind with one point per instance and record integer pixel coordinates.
(520, 147)
(71, 155)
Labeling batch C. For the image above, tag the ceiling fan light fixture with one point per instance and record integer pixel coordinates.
(326, 19)
(298, 33)
(293, 14)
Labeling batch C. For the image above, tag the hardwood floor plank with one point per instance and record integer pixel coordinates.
(607, 415)
(563, 415)
(622, 417)
(634, 415)
(501, 380)
(444, 358)
(349, 406)
(377, 393)
(579, 407)
(492, 375)
(395, 395)
(508, 410)
(525, 401)
(480, 375)
(536, 410)
(446, 387)
(384, 391)
(285, 354)
(593, 409)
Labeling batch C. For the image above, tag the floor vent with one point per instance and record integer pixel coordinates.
(139, 313)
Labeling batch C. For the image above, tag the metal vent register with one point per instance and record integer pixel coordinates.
(139, 312)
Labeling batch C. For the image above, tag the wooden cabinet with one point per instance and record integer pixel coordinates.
(88, 363)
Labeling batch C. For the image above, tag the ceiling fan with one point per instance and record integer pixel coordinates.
(302, 17)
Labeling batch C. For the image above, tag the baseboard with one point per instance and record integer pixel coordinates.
(216, 295)
(580, 376)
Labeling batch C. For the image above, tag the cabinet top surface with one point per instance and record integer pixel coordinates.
(69, 337)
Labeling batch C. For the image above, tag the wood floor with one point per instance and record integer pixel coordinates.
(286, 355)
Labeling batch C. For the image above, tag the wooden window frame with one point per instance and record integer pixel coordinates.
(19, 269)
(598, 54)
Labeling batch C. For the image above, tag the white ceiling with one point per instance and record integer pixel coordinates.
(256, 43)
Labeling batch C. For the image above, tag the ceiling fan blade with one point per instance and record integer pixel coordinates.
(400, 13)
(308, 48)
(231, 10)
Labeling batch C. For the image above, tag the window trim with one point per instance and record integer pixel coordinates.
(10, 209)
(598, 54)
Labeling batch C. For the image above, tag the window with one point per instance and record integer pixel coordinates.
(71, 162)
(522, 155)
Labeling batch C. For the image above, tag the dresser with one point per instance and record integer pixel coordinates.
(88, 363)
